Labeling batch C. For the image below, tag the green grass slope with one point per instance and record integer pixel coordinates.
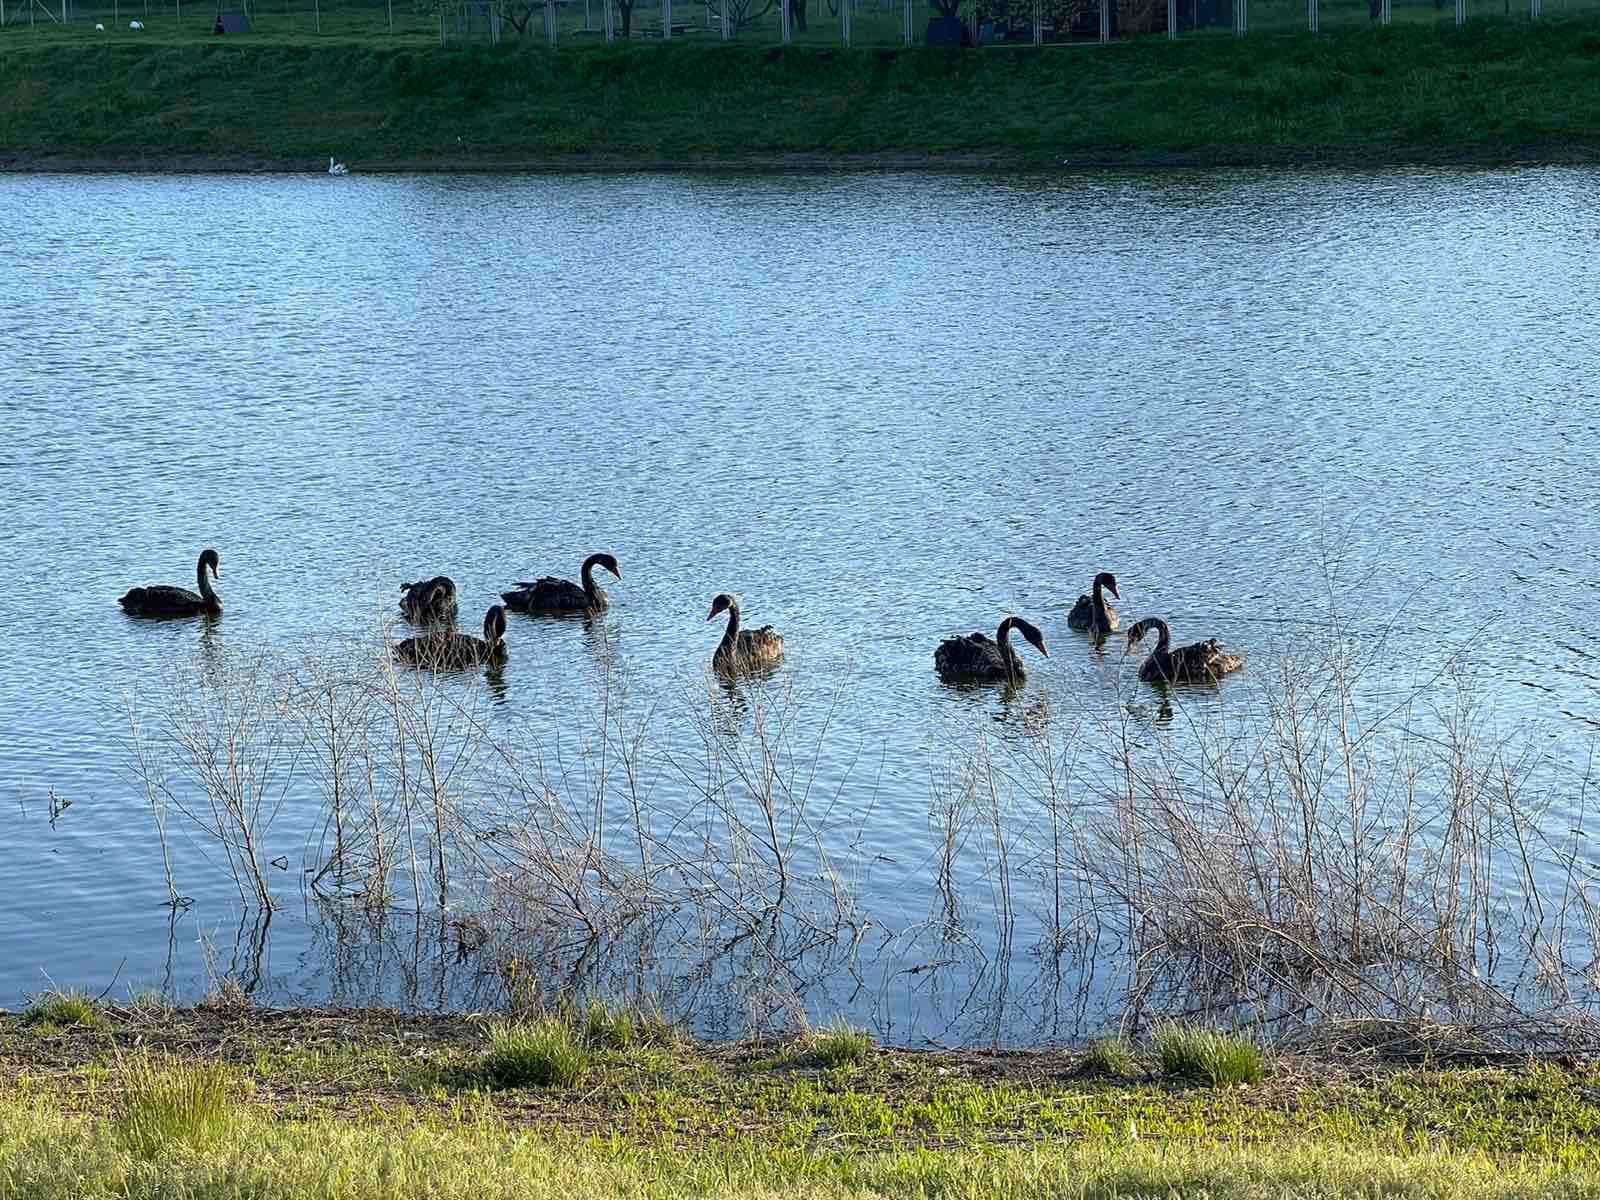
(1483, 93)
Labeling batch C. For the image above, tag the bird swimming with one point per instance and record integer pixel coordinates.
(162, 600)
(975, 658)
(429, 601)
(742, 649)
(562, 595)
(448, 649)
(1092, 613)
(337, 168)
(1200, 662)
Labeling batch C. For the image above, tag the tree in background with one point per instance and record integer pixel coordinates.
(518, 12)
(742, 13)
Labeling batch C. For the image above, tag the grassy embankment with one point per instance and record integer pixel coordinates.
(1487, 93)
(230, 1101)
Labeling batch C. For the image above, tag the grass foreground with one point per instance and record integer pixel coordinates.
(267, 1103)
(1488, 92)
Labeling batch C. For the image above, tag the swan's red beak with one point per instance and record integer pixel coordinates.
(712, 615)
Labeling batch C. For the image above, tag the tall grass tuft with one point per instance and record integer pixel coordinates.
(624, 1026)
(1112, 1057)
(1207, 1055)
(540, 1053)
(168, 1101)
(70, 1009)
(837, 1044)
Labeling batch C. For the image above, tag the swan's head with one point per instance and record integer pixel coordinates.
(1108, 581)
(209, 560)
(609, 562)
(723, 603)
(442, 584)
(1138, 630)
(1033, 635)
(494, 624)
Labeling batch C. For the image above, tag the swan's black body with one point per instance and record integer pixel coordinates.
(448, 649)
(977, 658)
(742, 649)
(1091, 613)
(429, 601)
(162, 600)
(1199, 662)
(554, 595)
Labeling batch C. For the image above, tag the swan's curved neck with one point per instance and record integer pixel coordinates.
(590, 588)
(204, 580)
(1002, 637)
(730, 636)
(1099, 600)
(1163, 635)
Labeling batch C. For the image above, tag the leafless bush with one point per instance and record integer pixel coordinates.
(1314, 852)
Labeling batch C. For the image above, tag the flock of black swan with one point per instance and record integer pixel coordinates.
(431, 605)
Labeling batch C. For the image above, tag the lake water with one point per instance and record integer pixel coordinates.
(882, 408)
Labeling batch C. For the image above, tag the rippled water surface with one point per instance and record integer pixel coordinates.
(883, 409)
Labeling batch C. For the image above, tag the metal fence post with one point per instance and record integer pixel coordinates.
(1311, 16)
(666, 20)
(1105, 21)
(910, 33)
(1461, 12)
(1172, 20)
(844, 21)
(783, 20)
(1241, 17)
(1038, 22)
